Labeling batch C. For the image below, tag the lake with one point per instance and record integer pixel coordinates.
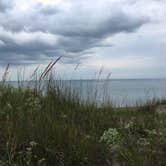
(120, 92)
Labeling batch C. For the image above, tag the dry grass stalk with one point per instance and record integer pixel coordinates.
(34, 72)
(46, 69)
(76, 67)
(49, 68)
(100, 72)
(4, 77)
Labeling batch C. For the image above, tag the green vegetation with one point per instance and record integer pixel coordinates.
(52, 127)
(56, 128)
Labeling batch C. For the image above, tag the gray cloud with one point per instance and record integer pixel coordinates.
(45, 31)
(4, 5)
(47, 10)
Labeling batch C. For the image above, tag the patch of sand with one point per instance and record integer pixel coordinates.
(161, 109)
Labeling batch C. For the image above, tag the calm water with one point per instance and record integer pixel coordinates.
(121, 92)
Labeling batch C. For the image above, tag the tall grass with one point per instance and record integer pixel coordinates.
(57, 128)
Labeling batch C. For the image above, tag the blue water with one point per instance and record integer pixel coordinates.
(120, 92)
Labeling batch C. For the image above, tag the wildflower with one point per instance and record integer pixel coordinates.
(32, 143)
(9, 106)
(29, 149)
(111, 137)
(41, 161)
(64, 116)
(143, 142)
(129, 125)
(33, 103)
(151, 132)
(87, 136)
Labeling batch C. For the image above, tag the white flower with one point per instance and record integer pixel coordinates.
(111, 137)
(129, 125)
(33, 143)
(143, 142)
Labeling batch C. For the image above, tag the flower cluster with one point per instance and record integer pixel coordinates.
(33, 103)
(129, 125)
(153, 132)
(143, 142)
(111, 137)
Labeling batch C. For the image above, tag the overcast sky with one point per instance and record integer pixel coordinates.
(125, 37)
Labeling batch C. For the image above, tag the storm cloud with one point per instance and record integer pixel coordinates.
(3, 6)
(34, 31)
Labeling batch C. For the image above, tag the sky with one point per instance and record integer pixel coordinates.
(124, 37)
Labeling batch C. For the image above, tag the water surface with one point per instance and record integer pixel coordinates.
(121, 92)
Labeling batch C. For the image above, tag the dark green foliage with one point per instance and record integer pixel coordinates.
(56, 128)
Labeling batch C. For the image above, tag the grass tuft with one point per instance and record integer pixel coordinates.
(46, 124)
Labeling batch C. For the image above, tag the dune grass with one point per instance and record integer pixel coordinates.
(56, 128)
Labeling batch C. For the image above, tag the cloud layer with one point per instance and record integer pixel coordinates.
(113, 32)
(32, 31)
